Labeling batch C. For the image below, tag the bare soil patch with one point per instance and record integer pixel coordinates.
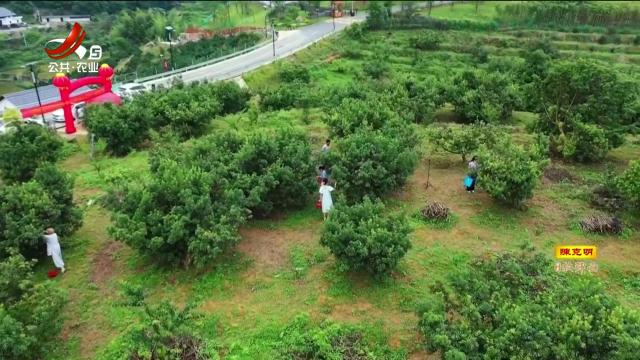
(555, 174)
(331, 57)
(104, 264)
(269, 249)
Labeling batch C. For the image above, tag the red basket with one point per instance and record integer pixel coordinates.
(319, 204)
(52, 273)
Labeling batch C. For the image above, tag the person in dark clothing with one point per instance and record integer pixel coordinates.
(473, 174)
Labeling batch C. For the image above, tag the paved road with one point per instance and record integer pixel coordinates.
(287, 43)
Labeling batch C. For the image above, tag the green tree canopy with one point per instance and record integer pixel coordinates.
(479, 96)
(506, 306)
(581, 99)
(30, 311)
(510, 173)
(362, 237)
(22, 151)
(373, 163)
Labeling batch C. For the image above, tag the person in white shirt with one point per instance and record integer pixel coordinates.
(322, 173)
(327, 201)
(327, 146)
(53, 248)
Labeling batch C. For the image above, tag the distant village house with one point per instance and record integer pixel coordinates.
(9, 19)
(63, 19)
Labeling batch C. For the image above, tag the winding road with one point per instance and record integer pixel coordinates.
(287, 43)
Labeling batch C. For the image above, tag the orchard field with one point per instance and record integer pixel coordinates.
(200, 238)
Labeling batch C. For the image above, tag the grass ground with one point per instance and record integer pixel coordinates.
(279, 270)
(485, 11)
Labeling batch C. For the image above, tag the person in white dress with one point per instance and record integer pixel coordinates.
(327, 201)
(53, 248)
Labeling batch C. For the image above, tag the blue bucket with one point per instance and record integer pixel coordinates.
(468, 181)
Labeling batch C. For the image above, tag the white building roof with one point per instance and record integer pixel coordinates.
(4, 12)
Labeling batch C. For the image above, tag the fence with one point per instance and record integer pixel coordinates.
(134, 76)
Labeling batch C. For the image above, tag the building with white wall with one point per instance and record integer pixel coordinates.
(63, 19)
(9, 19)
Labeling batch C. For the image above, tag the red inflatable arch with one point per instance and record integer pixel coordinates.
(67, 87)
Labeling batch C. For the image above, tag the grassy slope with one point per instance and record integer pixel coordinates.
(279, 269)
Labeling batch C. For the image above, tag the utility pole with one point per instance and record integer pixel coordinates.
(333, 14)
(169, 30)
(273, 38)
(34, 78)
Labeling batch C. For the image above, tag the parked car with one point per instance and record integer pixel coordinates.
(78, 110)
(55, 118)
(128, 91)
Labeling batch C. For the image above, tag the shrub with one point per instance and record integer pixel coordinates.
(181, 214)
(123, 128)
(535, 67)
(291, 72)
(601, 224)
(629, 183)
(378, 16)
(163, 332)
(377, 67)
(543, 44)
(427, 40)
(479, 53)
(27, 209)
(356, 114)
(30, 312)
(588, 98)
(185, 110)
(22, 151)
(333, 95)
(277, 167)
(273, 170)
(229, 94)
(512, 306)
(373, 163)
(357, 31)
(586, 143)
(479, 96)
(361, 237)
(301, 339)
(424, 22)
(508, 172)
(285, 96)
(59, 187)
(425, 98)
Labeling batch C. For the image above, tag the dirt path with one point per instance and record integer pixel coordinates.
(104, 266)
